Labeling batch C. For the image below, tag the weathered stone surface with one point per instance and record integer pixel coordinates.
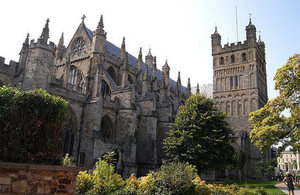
(37, 180)
(5, 180)
(20, 186)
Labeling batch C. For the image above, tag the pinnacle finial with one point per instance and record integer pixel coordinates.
(100, 24)
(82, 18)
(178, 74)
(250, 15)
(123, 44)
(259, 36)
(140, 54)
(27, 39)
(45, 33)
(61, 40)
(149, 55)
(216, 29)
(154, 60)
(198, 89)
(166, 66)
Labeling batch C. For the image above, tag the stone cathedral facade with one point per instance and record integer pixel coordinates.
(240, 87)
(116, 101)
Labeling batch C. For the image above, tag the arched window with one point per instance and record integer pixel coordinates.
(76, 80)
(112, 73)
(240, 107)
(236, 81)
(105, 89)
(231, 82)
(106, 128)
(228, 109)
(253, 105)
(244, 57)
(252, 80)
(130, 80)
(221, 60)
(232, 57)
(81, 158)
(70, 127)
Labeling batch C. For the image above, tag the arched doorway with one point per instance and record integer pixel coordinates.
(106, 129)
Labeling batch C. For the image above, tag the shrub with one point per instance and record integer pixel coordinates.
(67, 161)
(31, 126)
(175, 178)
(102, 180)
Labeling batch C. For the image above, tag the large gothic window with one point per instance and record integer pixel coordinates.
(105, 89)
(106, 128)
(76, 80)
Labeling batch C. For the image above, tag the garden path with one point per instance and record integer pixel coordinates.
(282, 187)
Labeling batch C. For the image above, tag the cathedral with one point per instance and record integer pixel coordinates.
(126, 104)
(116, 101)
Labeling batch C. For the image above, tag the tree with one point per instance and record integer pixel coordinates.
(31, 126)
(200, 136)
(266, 168)
(269, 124)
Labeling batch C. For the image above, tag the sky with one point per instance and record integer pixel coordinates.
(177, 30)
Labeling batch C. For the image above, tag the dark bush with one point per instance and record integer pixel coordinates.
(31, 126)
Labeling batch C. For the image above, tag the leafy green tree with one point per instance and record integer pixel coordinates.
(31, 126)
(269, 124)
(266, 168)
(200, 136)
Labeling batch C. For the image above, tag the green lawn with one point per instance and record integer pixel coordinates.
(269, 186)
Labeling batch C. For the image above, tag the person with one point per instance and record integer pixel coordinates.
(288, 180)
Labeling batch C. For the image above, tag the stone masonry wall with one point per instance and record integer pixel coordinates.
(17, 178)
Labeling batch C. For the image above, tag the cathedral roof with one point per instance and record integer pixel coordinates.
(113, 49)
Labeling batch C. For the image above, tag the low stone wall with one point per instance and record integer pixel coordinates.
(17, 178)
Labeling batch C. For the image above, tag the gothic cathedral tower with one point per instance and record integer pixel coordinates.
(240, 87)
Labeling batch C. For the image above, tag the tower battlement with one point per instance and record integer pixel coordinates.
(234, 46)
(10, 68)
(50, 47)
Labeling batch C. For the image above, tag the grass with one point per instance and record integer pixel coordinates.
(269, 186)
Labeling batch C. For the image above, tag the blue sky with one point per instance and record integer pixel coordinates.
(174, 29)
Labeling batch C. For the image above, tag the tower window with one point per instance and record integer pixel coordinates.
(232, 57)
(244, 57)
(231, 82)
(236, 81)
(221, 60)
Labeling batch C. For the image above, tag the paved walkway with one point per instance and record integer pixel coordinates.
(282, 187)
